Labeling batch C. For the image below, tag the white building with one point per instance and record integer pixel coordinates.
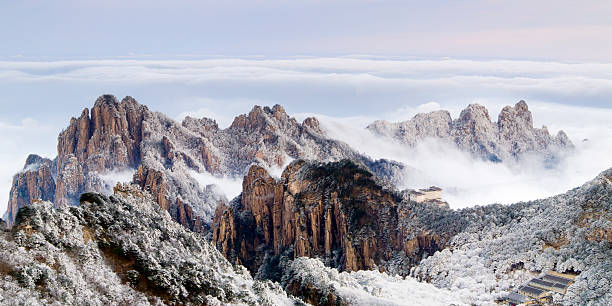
(432, 193)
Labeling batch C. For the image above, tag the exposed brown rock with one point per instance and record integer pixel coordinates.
(109, 138)
(334, 211)
(312, 123)
(34, 182)
(114, 136)
(153, 181)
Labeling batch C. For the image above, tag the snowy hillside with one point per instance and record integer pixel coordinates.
(505, 247)
(122, 249)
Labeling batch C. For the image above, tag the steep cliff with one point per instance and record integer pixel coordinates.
(107, 139)
(166, 156)
(36, 181)
(339, 212)
(510, 138)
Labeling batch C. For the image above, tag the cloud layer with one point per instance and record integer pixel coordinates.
(468, 181)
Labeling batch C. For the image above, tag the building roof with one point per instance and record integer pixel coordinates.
(541, 282)
(432, 188)
(557, 279)
(516, 297)
(531, 290)
(415, 192)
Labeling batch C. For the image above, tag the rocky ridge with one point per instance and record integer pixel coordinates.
(36, 181)
(510, 138)
(339, 212)
(124, 135)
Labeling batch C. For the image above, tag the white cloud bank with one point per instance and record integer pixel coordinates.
(228, 186)
(366, 75)
(112, 177)
(468, 181)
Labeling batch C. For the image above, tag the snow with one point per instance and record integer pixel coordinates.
(506, 247)
(79, 255)
(368, 287)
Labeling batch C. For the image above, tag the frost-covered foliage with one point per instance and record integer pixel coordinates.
(123, 249)
(505, 247)
(322, 285)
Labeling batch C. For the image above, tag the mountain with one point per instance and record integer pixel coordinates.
(119, 250)
(338, 211)
(35, 182)
(571, 233)
(124, 249)
(341, 214)
(165, 157)
(510, 138)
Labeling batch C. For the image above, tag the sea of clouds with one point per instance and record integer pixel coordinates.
(469, 181)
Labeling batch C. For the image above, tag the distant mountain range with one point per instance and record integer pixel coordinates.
(511, 137)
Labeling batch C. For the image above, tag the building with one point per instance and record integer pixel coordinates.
(531, 292)
(538, 290)
(416, 196)
(514, 298)
(432, 193)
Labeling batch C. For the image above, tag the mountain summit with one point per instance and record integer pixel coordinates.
(510, 138)
(165, 157)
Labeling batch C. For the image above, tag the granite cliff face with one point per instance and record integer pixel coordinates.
(339, 212)
(510, 138)
(108, 139)
(166, 156)
(36, 181)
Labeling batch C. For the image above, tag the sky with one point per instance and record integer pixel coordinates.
(349, 62)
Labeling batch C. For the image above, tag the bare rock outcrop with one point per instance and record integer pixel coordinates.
(169, 158)
(337, 211)
(34, 182)
(510, 138)
(107, 139)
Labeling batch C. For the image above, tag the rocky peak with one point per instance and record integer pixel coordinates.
(517, 116)
(313, 123)
(202, 125)
(279, 112)
(34, 159)
(562, 140)
(336, 211)
(473, 131)
(474, 112)
(109, 138)
(36, 181)
(254, 119)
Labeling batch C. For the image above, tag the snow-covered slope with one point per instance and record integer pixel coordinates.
(311, 280)
(501, 248)
(123, 249)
